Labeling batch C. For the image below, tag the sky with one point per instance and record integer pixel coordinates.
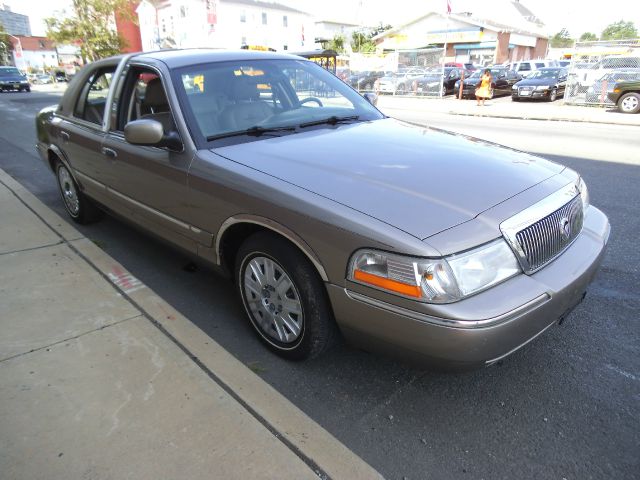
(578, 16)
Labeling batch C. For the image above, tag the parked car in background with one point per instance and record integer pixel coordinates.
(42, 79)
(60, 76)
(468, 67)
(343, 73)
(599, 91)
(12, 79)
(433, 81)
(399, 82)
(503, 80)
(625, 94)
(366, 80)
(300, 201)
(525, 68)
(588, 76)
(544, 84)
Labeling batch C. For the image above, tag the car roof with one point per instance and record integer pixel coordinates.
(193, 56)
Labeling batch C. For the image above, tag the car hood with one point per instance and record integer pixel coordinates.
(420, 180)
(531, 82)
(472, 81)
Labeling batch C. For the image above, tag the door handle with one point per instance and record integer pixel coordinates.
(109, 152)
(65, 136)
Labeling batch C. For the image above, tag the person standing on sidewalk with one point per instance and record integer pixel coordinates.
(484, 90)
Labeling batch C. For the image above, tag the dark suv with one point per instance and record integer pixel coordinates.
(12, 79)
(626, 96)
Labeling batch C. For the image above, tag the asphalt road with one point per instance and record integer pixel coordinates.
(566, 406)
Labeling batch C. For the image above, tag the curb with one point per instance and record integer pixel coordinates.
(544, 119)
(307, 440)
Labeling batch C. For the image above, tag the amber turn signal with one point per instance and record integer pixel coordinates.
(387, 284)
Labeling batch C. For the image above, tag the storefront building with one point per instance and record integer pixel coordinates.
(468, 39)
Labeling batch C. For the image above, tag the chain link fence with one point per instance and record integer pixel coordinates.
(400, 72)
(596, 67)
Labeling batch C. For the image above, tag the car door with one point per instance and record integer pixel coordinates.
(80, 134)
(501, 83)
(149, 182)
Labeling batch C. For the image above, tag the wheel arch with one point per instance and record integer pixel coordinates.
(53, 154)
(236, 229)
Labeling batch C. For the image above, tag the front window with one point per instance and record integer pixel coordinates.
(264, 18)
(241, 100)
(285, 21)
(9, 71)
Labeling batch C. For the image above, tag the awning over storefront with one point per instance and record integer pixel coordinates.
(478, 46)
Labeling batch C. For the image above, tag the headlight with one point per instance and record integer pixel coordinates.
(542, 87)
(440, 280)
(584, 194)
(515, 87)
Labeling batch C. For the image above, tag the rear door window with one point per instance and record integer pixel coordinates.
(93, 96)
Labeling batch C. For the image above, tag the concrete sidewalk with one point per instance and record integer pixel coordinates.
(100, 378)
(505, 108)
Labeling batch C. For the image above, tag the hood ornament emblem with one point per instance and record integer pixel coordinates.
(565, 228)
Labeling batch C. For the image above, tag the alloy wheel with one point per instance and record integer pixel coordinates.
(68, 190)
(273, 300)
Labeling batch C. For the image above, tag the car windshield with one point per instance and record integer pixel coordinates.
(545, 74)
(9, 71)
(258, 97)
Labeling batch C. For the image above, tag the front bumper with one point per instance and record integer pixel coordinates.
(526, 94)
(18, 85)
(483, 328)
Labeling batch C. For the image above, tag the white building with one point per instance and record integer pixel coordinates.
(223, 24)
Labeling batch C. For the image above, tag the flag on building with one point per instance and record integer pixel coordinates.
(448, 6)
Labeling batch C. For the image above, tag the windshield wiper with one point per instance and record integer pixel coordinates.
(332, 120)
(255, 131)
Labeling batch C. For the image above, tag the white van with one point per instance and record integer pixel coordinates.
(527, 67)
(595, 72)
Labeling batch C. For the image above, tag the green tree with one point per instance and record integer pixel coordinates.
(588, 37)
(336, 43)
(90, 26)
(619, 31)
(362, 42)
(561, 39)
(5, 46)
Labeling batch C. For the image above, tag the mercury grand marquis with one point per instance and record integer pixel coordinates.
(330, 217)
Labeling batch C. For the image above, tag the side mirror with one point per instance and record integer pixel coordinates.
(151, 133)
(370, 97)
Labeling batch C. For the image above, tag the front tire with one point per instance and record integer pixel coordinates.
(629, 103)
(284, 297)
(78, 206)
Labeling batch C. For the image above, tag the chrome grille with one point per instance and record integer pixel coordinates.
(549, 237)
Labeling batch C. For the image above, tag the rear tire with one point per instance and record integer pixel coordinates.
(284, 297)
(629, 103)
(80, 208)
(553, 95)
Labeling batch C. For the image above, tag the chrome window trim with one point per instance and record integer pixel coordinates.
(527, 217)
